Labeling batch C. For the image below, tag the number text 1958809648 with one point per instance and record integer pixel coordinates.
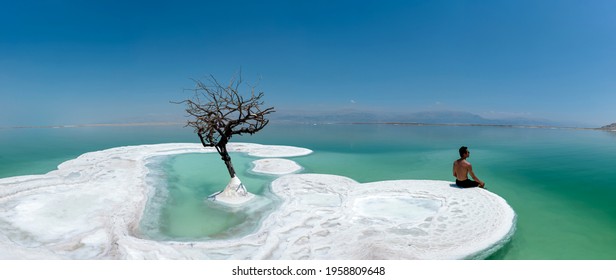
(355, 270)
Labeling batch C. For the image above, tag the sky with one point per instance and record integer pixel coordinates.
(81, 62)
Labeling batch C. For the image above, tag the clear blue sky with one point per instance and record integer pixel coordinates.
(73, 62)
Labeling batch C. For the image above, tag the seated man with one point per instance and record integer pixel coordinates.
(461, 168)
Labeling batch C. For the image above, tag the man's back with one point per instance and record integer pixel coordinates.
(461, 168)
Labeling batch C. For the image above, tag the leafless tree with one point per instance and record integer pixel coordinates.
(218, 112)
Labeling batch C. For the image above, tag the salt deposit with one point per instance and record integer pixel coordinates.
(234, 194)
(335, 218)
(275, 166)
(91, 206)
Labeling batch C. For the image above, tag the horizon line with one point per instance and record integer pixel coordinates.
(139, 124)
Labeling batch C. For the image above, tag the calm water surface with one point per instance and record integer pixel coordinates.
(560, 182)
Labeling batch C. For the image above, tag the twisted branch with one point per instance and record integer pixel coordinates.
(218, 112)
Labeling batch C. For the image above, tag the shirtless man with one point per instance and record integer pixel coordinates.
(461, 168)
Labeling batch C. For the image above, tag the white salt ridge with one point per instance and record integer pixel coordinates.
(272, 151)
(275, 166)
(91, 206)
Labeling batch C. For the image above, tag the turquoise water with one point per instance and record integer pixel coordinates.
(559, 181)
(27, 151)
(179, 210)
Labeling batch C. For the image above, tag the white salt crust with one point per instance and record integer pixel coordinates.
(275, 166)
(234, 194)
(91, 206)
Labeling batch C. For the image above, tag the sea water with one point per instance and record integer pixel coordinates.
(559, 181)
(179, 208)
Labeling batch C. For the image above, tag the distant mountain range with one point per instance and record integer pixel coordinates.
(611, 127)
(429, 117)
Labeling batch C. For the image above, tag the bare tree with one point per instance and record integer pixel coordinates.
(218, 112)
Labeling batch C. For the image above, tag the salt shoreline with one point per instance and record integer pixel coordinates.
(275, 166)
(91, 206)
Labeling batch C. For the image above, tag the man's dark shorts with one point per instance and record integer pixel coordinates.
(468, 183)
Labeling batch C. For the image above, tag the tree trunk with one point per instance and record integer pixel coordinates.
(222, 151)
(224, 155)
(230, 167)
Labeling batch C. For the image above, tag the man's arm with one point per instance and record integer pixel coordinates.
(470, 170)
(454, 170)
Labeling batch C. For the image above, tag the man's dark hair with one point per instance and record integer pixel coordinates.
(463, 150)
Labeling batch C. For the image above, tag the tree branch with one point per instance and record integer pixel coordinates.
(218, 112)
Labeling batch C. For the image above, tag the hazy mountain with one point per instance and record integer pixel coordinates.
(428, 117)
(609, 127)
(441, 117)
(326, 117)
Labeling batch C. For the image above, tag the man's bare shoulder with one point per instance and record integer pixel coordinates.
(462, 162)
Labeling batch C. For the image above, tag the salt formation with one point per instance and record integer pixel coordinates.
(336, 218)
(234, 194)
(91, 206)
(275, 166)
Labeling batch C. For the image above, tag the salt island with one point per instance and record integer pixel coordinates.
(91, 207)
